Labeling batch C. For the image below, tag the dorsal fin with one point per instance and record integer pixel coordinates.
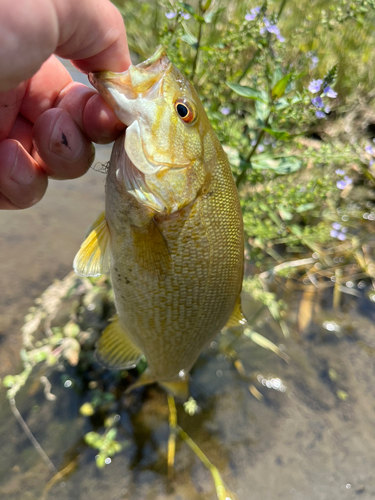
(115, 350)
(94, 255)
(236, 318)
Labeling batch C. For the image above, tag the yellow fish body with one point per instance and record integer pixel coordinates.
(172, 233)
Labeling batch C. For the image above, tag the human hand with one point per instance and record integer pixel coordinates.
(47, 121)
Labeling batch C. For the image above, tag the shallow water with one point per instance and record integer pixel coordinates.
(301, 443)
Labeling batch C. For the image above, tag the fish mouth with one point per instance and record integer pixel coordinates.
(120, 90)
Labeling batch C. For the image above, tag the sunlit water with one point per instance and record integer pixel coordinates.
(311, 437)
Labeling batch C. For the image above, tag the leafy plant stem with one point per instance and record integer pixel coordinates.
(221, 490)
(17, 415)
(242, 175)
(172, 434)
(249, 64)
(281, 8)
(367, 173)
(195, 62)
(157, 8)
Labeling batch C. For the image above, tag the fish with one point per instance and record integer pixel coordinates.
(171, 236)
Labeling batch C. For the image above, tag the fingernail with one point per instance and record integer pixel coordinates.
(66, 139)
(21, 173)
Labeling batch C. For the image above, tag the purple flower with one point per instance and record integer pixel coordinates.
(320, 114)
(225, 111)
(339, 171)
(314, 62)
(327, 110)
(317, 101)
(260, 148)
(371, 163)
(170, 15)
(341, 236)
(369, 150)
(338, 235)
(253, 14)
(338, 231)
(314, 86)
(272, 28)
(185, 15)
(330, 92)
(344, 182)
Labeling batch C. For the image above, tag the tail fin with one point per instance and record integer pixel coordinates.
(179, 388)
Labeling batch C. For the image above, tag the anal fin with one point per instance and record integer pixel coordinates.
(94, 254)
(115, 350)
(236, 318)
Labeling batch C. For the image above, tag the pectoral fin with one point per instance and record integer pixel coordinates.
(93, 256)
(151, 249)
(236, 318)
(115, 350)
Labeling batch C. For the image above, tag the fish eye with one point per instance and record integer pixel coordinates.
(185, 110)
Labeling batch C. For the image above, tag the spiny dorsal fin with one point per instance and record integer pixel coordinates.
(115, 350)
(151, 249)
(93, 256)
(237, 318)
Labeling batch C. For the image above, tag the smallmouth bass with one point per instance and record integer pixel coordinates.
(172, 233)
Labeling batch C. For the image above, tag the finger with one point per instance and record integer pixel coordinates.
(100, 122)
(22, 182)
(44, 88)
(94, 33)
(22, 132)
(29, 33)
(91, 32)
(10, 103)
(61, 148)
(91, 113)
